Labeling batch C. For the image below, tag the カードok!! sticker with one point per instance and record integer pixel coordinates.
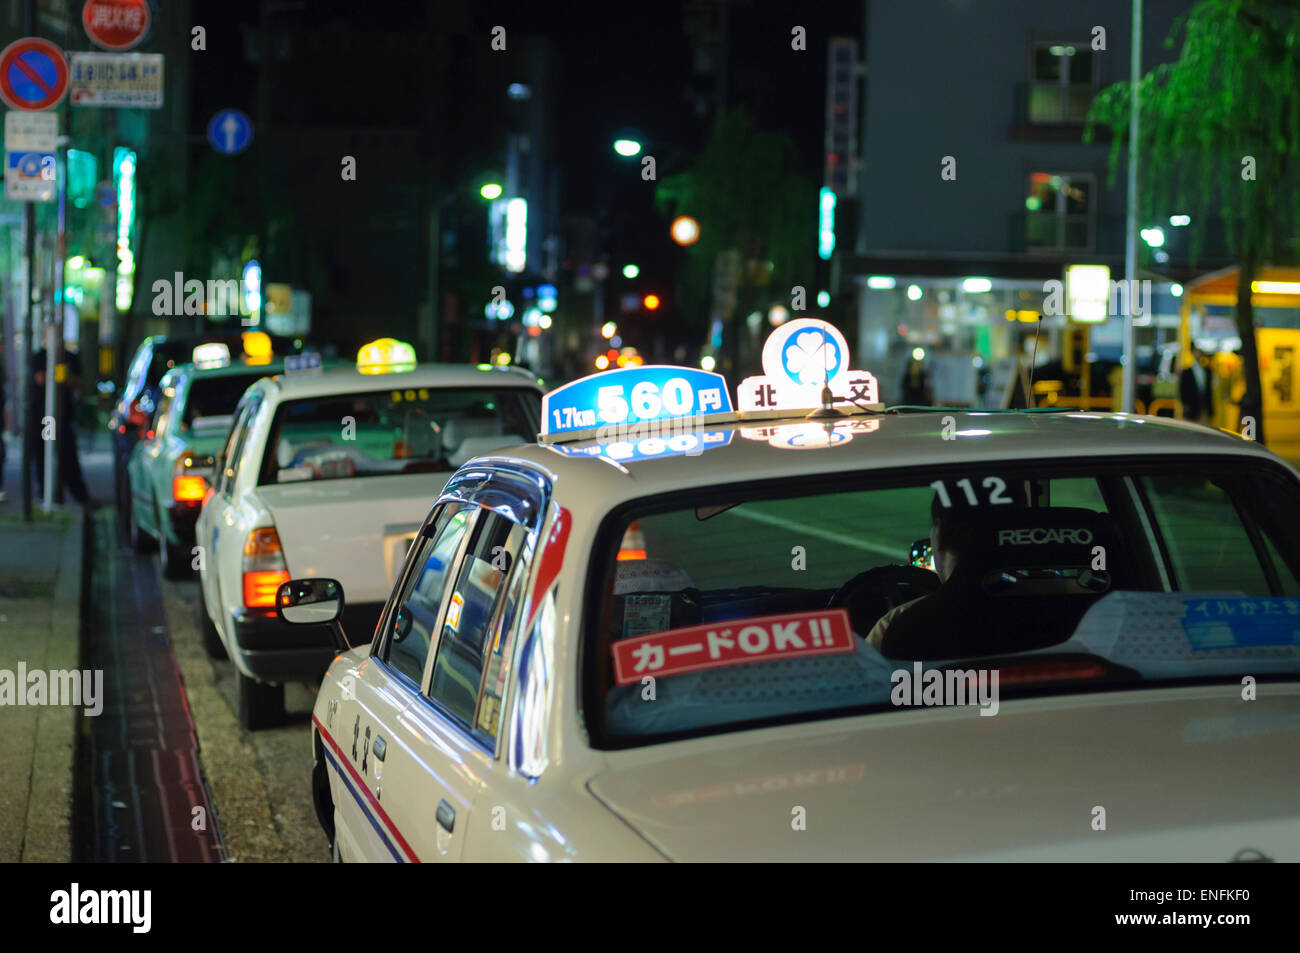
(714, 645)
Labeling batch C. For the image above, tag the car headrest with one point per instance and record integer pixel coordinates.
(458, 429)
(1056, 537)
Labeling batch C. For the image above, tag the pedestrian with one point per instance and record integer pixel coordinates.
(1196, 389)
(916, 384)
(65, 427)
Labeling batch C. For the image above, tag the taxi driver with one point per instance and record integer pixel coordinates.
(951, 532)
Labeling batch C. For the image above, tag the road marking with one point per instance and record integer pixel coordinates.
(851, 541)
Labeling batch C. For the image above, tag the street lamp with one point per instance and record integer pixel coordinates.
(685, 230)
(627, 147)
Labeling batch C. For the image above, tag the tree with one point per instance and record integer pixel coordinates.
(1220, 127)
(748, 196)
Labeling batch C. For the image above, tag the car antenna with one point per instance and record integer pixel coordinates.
(1033, 363)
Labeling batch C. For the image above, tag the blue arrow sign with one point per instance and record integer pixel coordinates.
(230, 132)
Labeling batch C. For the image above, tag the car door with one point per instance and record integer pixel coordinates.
(453, 726)
(143, 463)
(377, 746)
(216, 517)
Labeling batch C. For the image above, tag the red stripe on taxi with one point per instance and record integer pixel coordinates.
(365, 789)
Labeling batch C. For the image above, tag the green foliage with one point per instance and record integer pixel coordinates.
(747, 194)
(1233, 92)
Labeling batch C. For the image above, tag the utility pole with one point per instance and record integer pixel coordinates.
(28, 336)
(1130, 239)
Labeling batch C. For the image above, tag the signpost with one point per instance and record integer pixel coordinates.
(115, 24)
(230, 132)
(31, 139)
(117, 79)
(33, 74)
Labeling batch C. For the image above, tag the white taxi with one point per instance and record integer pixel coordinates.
(329, 472)
(661, 635)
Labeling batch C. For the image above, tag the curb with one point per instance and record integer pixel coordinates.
(48, 827)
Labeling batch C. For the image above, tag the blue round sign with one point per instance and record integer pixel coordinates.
(230, 131)
(811, 357)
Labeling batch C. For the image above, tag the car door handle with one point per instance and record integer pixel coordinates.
(378, 748)
(446, 816)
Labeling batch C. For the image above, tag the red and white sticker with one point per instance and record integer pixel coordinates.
(715, 645)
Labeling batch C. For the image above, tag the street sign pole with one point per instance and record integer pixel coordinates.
(25, 357)
(1130, 241)
(54, 335)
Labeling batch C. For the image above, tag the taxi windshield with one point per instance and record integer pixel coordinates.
(728, 607)
(404, 430)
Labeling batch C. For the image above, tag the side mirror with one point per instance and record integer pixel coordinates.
(312, 602)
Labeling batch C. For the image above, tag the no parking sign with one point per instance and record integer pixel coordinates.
(33, 74)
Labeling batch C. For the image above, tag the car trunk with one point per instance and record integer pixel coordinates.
(356, 531)
(1183, 774)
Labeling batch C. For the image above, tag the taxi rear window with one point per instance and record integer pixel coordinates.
(728, 607)
(402, 430)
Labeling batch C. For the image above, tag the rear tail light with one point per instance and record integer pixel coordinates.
(187, 485)
(189, 489)
(264, 568)
(135, 415)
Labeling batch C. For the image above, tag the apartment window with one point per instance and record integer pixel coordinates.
(1058, 210)
(1062, 81)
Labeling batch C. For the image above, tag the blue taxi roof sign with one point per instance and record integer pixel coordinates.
(634, 395)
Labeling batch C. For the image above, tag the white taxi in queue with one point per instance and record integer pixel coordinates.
(329, 472)
(704, 638)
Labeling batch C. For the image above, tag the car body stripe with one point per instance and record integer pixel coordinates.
(329, 756)
(373, 804)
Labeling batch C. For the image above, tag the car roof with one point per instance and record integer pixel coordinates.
(343, 380)
(898, 440)
(233, 369)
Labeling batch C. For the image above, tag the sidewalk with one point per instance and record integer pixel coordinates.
(40, 621)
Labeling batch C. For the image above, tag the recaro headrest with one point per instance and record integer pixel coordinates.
(1015, 537)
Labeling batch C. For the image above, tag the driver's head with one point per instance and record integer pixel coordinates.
(952, 527)
(949, 536)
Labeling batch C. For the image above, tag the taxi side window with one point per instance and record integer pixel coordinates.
(238, 440)
(472, 604)
(415, 615)
(1203, 533)
(497, 652)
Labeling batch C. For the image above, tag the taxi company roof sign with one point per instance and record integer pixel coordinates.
(117, 79)
(30, 165)
(800, 358)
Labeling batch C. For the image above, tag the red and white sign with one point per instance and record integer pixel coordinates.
(720, 644)
(115, 24)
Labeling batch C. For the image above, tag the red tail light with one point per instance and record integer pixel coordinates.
(189, 489)
(260, 587)
(135, 416)
(264, 568)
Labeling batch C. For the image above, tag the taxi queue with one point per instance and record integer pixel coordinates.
(627, 619)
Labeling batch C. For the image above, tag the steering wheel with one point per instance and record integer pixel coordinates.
(869, 595)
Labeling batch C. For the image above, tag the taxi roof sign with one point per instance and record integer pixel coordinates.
(212, 354)
(800, 359)
(633, 396)
(386, 356)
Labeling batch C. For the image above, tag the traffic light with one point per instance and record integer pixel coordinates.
(650, 302)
